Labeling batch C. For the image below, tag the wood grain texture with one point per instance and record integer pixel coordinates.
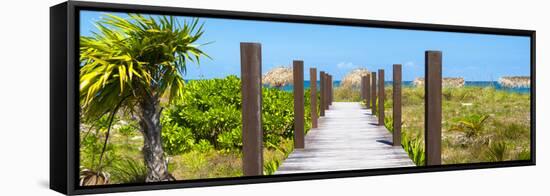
(381, 97)
(433, 110)
(348, 138)
(251, 85)
(298, 94)
(313, 96)
(322, 94)
(396, 104)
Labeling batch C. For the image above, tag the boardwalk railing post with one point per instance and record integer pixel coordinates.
(433, 107)
(381, 97)
(251, 91)
(331, 89)
(298, 72)
(327, 89)
(363, 78)
(322, 93)
(373, 92)
(367, 88)
(396, 105)
(313, 96)
(364, 89)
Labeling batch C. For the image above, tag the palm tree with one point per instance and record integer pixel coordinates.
(130, 64)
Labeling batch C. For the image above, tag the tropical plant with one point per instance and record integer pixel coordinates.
(134, 64)
(128, 171)
(497, 151)
(388, 123)
(414, 148)
(89, 177)
(472, 126)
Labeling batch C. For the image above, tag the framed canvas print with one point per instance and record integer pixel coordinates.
(147, 97)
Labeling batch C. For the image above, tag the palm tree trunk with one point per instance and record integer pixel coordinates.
(153, 153)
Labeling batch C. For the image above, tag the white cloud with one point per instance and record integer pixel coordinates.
(345, 65)
(410, 65)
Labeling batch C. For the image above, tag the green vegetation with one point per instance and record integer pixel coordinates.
(347, 94)
(479, 124)
(201, 134)
(130, 66)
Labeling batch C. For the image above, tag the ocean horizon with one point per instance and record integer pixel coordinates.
(494, 84)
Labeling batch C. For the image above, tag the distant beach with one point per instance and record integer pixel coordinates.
(494, 84)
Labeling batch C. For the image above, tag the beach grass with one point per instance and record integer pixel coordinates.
(480, 124)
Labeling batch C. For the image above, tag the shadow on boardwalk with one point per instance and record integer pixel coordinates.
(348, 138)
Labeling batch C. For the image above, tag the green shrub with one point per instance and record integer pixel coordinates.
(128, 171)
(414, 147)
(472, 125)
(210, 111)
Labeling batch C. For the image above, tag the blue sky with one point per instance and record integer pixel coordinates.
(340, 49)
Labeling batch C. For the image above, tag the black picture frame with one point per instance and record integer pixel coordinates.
(64, 110)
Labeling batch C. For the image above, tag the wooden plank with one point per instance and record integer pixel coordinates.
(298, 74)
(373, 92)
(313, 96)
(433, 107)
(381, 96)
(348, 138)
(322, 94)
(251, 91)
(396, 105)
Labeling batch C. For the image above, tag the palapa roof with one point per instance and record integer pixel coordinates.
(278, 76)
(447, 81)
(353, 78)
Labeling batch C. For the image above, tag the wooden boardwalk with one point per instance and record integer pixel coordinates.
(348, 138)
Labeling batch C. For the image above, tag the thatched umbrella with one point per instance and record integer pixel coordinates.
(278, 77)
(515, 81)
(452, 82)
(353, 79)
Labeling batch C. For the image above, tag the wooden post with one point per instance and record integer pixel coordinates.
(330, 90)
(327, 91)
(381, 97)
(433, 107)
(373, 92)
(396, 105)
(367, 88)
(364, 89)
(251, 91)
(322, 94)
(313, 98)
(298, 72)
(363, 78)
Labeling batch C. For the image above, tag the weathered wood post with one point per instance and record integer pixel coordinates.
(396, 104)
(364, 89)
(331, 90)
(373, 92)
(381, 97)
(298, 72)
(327, 91)
(433, 107)
(313, 98)
(368, 93)
(251, 92)
(322, 94)
(363, 78)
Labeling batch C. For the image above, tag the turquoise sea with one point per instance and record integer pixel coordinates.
(410, 83)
